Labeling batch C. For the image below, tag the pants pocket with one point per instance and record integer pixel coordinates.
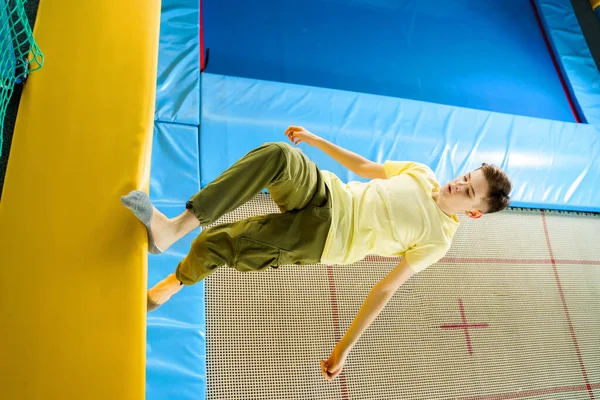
(253, 255)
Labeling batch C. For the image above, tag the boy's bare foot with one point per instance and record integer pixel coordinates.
(162, 292)
(151, 305)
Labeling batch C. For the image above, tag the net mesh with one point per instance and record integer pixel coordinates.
(19, 54)
(511, 312)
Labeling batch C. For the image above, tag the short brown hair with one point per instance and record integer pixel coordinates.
(500, 187)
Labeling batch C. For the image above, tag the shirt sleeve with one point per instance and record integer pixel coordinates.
(395, 168)
(422, 256)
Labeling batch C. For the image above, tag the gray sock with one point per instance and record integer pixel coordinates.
(139, 202)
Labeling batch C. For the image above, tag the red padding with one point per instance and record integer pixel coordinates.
(201, 40)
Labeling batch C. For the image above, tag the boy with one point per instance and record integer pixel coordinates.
(401, 211)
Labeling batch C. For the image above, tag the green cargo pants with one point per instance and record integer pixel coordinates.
(297, 235)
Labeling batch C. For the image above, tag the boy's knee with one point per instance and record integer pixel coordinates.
(277, 148)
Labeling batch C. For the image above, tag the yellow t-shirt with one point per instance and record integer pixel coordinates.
(388, 217)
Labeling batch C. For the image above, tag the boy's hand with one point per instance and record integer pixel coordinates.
(297, 134)
(333, 366)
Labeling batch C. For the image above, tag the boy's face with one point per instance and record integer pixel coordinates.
(466, 193)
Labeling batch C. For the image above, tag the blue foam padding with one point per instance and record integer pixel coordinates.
(176, 332)
(553, 165)
(487, 55)
(174, 176)
(178, 86)
(574, 57)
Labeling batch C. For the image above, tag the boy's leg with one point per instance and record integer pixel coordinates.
(253, 244)
(288, 174)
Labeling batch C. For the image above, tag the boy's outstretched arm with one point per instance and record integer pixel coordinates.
(377, 299)
(354, 162)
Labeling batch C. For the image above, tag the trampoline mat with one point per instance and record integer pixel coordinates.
(512, 311)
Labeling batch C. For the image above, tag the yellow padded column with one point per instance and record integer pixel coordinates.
(72, 259)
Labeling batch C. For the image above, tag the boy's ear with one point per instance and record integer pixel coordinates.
(475, 214)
